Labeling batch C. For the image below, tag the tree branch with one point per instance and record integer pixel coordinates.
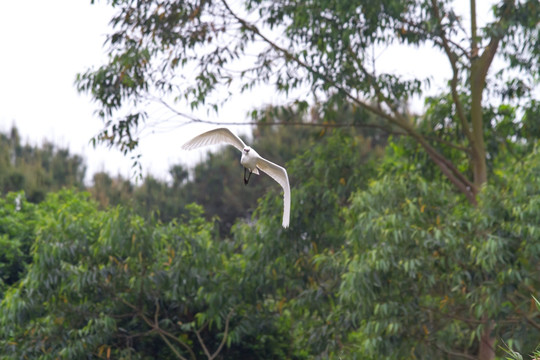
(162, 333)
(453, 174)
(201, 341)
(422, 31)
(178, 355)
(452, 57)
(192, 119)
(524, 315)
(455, 353)
(448, 169)
(225, 334)
(489, 52)
(223, 341)
(474, 40)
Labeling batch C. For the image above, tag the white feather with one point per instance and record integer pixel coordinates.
(214, 137)
(279, 174)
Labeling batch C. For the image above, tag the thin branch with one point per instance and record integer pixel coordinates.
(491, 49)
(171, 346)
(156, 314)
(422, 31)
(452, 57)
(532, 322)
(463, 51)
(160, 331)
(223, 341)
(455, 353)
(524, 315)
(201, 341)
(192, 119)
(474, 40)
(449, 144)
(136, 335)
(398, 114)
(225, 334)
(291, 56)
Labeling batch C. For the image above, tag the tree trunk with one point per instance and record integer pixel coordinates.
(487, 343)
(478, 145)
(478, 72)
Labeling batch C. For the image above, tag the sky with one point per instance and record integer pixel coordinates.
(46, 43)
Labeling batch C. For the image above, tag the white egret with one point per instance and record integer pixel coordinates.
(251, 161)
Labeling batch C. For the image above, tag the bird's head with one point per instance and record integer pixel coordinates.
(246, 150)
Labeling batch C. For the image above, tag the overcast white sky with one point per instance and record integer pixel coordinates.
(44, 44)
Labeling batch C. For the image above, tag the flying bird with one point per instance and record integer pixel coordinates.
(251, 161)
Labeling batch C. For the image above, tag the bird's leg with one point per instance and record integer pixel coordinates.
(246, 180)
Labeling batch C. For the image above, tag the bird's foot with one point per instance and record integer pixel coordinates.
(246, 179)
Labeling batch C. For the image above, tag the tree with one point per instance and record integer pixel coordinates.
(105, 284)
(404, 267)
(459, 264)
(37, 169)
(17, 232)
(299, 282)
(326, 46)
(109, 191)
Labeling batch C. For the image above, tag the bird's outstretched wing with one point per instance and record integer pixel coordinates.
(214, 137)
(279, 174)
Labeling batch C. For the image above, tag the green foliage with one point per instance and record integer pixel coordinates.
(292, 267)
(424, 268)
(383, 259)
(37, 170)
(27, 173)
(514, 355)
(111, 191)
(17, 234)
(110, 284)
(326, 46)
